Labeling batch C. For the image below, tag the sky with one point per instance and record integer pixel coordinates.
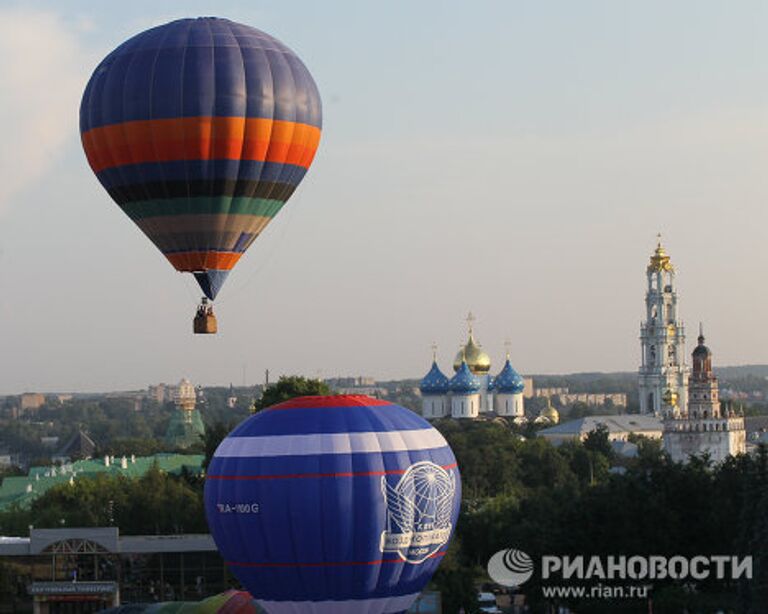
(516, 159)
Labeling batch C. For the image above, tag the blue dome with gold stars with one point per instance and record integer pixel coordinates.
(434, 382)
(464, 382)
(509, 381)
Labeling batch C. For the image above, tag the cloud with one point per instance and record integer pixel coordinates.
(42, 77)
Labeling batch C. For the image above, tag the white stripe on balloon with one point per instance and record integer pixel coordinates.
(330, 443)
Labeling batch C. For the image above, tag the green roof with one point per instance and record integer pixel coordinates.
(25, 489)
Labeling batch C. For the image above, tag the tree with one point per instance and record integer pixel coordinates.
(456, 581)
(213, 436)
(289, 387)
(597, 441)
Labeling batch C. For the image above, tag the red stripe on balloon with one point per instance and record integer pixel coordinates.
(203, 261)
(339, 400)
(292, 476)
(329, 563)
(200, 138)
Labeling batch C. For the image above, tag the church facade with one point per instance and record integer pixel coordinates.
(472, 391)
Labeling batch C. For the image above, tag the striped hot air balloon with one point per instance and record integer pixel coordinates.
(200, 130)
(333, 505)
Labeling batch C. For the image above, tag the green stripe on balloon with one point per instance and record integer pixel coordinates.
(204, 204)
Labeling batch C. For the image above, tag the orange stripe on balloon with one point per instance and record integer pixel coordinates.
(203, 261)
(201, 138)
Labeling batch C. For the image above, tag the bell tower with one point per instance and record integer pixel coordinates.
(663, 374)
(704, 428)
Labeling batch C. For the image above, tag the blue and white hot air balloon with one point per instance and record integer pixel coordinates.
(333, 505)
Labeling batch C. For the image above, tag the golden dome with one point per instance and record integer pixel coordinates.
(550, 413)
(660, 260)
(478, 361)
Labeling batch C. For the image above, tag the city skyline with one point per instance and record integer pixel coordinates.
(570, 141)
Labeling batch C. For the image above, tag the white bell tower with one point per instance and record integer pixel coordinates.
(663, 372)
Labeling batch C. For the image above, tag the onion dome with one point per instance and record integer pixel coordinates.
(701, 350)
(491, 387)
(477, 360)
(464, 382)
(434, 382)
(550, 413)
(509, 381)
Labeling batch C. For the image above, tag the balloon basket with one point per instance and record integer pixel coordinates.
(205, 320)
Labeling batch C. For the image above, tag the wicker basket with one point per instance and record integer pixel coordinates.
(205, 324)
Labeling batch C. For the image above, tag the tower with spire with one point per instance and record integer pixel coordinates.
(472, 391)
(186, 425)
(703, 427)
(663, 375)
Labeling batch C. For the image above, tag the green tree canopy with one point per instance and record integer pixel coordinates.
(289, 387)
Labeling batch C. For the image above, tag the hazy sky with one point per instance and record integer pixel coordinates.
(512, 158)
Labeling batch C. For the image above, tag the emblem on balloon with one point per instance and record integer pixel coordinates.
(419, 510)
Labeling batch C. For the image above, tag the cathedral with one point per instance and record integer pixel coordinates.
(688, 403)
(472, 391)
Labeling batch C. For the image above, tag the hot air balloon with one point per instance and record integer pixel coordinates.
(333, 505)
(200, 130)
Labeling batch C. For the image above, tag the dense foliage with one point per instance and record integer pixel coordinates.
(156, 503)
(529, 495)
(289, 387)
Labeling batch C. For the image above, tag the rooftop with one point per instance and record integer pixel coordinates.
(622, 423)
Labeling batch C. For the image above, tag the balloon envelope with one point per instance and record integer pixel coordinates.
(200, 130)
(333, 505)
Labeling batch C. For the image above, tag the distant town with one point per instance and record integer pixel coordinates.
(574, 396)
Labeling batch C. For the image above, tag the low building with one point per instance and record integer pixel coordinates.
(619, 428)
(89, 569)
(550, 391)
(593, 399)
(78, 447)
(31, 400)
